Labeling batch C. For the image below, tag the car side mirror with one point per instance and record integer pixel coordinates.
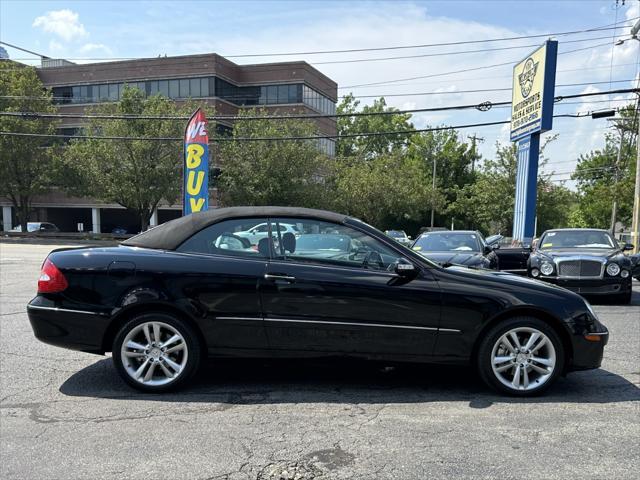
(43, 228)
(496, 246)
(628, 246)
(404, 268)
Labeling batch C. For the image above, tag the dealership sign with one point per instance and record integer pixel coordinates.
(534, 81)
(196, 165)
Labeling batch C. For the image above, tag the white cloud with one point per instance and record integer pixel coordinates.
(633, 11)
(96, 47)
(358, 25)
(63, 23)
(55, 47)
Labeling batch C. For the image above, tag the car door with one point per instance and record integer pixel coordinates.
(219, 277)
(513, 259)
(343, 299)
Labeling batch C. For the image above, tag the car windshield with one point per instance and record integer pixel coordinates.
(448, 242)
(319, 241)
(576, 239)
(396, 234)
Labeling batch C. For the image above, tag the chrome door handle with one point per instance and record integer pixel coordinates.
(273, 278)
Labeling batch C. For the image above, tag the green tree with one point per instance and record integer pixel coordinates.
(25, 161)
(371, 146)
(601, 179)
(277, 172)
(489, 201)
(455, 167)
(136, 174)
(388, 191)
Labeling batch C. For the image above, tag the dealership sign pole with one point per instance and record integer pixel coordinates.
(196, 165)
(534, 81)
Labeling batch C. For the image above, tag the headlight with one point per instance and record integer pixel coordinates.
(624, 273)
(535, 272)
(546, 268)
(613, 269)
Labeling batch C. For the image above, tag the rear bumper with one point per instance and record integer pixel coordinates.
(68, 328)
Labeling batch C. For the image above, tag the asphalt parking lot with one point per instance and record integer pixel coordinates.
(66, 414)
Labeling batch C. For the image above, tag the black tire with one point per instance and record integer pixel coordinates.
(485, 349)
(193, 351)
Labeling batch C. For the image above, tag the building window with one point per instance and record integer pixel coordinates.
(103, 93)
(295, 94)
(113, 92)
(272, 94)
(327, 146)
(163, 88)
(283, 93)
(204, 87)
(174, 89)
(194, 88)
(184, 88)
(201, 87)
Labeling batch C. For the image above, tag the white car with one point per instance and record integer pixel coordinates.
(37, 227)
(260, 231)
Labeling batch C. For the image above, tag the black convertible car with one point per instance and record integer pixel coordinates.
(189, 288)
(587, 261)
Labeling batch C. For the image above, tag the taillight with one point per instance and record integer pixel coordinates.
(51, 279)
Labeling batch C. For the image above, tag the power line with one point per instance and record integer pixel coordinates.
(442, 54)
(452, 92)
(492, 77)
(466, 70)
(396, 47)
(403, 57)
(455, 92)
(484, 106)
(295, 138)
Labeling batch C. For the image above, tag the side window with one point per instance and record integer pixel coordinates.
(315, 241)
(230, 238)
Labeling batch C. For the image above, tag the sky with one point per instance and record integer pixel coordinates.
(84, 31)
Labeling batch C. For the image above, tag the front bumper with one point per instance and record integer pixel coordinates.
(587, 354)
(598, 286)
(68, 328)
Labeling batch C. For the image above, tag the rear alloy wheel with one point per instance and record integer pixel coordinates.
(156, 352)
(522, 356)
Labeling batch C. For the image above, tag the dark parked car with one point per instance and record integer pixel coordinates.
(163, 300)
(587, 261)
(457, 247)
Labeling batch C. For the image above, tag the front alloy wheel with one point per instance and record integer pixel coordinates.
(155, 352)
(521, 356)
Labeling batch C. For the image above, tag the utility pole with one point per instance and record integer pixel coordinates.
(614, 207)
(433, 191)
(635, 225)
(474, 139)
